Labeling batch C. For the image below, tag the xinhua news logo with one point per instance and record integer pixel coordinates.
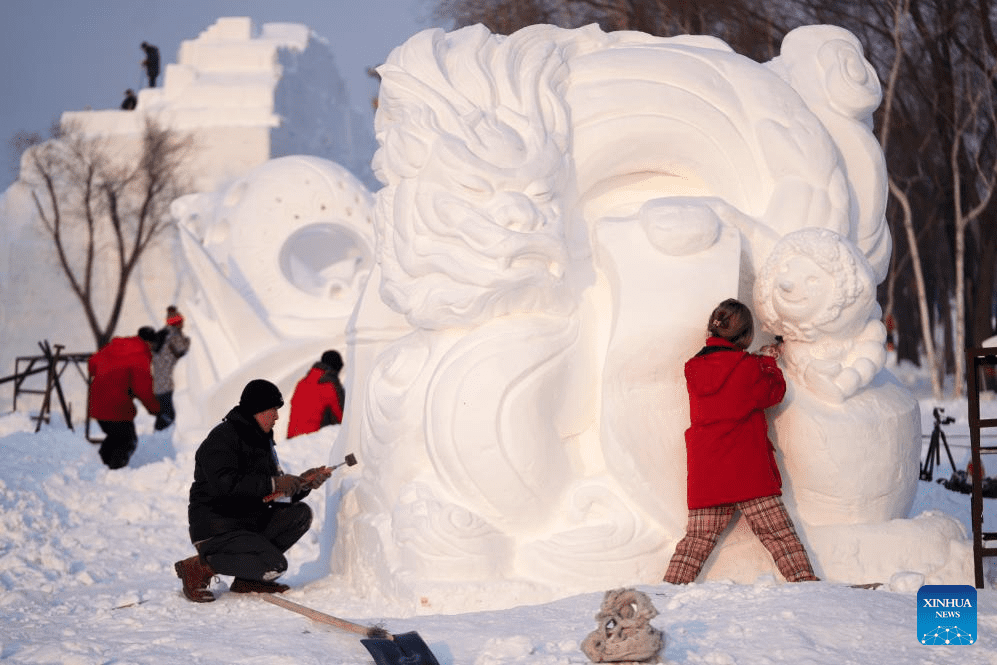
(946, 614)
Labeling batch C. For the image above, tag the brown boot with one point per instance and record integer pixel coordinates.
(240, 585)
(196, 576)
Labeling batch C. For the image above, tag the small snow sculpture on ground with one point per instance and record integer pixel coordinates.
(625, 633)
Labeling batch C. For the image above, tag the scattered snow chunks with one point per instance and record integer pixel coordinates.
(529, 651)
(84, 578)
(500, 649)
(906, 582)
(53, 561)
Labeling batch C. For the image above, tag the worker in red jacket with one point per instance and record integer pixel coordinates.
(318, 398)
(731, 462)
(120, 372)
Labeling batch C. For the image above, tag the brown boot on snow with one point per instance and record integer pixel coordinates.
(196, 576)
(240, 585)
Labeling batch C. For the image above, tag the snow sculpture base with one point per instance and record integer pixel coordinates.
(854, 463)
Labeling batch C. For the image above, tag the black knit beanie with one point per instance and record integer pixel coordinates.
(258, 396)
(147, 333)
(332, 359)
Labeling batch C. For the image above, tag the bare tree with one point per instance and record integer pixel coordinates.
(965, 146)
(103, 208)
(890, 97)
(18, 144)
(503, 19)
(749, 27)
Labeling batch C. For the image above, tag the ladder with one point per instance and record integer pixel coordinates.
(979, 360)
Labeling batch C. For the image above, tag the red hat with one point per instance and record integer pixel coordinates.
(174, 320)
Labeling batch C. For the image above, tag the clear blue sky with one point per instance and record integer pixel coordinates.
(62, 55)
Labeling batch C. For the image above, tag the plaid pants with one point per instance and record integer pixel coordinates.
(768, 519)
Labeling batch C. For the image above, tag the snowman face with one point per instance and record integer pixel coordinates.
(802, 290)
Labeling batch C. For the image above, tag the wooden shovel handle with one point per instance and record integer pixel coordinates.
(322, 617)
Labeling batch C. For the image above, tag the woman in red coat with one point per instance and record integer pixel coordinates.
(318, 398)
(731, 462)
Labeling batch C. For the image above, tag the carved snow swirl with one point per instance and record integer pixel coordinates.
(825, 65)
(432, 534)
(852, 84)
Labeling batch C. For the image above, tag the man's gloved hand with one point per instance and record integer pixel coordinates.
(313, 478)
(287, 485)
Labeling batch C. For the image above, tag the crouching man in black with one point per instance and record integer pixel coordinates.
(237, 525)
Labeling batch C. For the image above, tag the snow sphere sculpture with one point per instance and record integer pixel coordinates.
(279, 257)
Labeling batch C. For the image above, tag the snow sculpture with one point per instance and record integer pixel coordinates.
(825, 66)
(625, 633)
(817, 291)
(279, 258)
(562, 209)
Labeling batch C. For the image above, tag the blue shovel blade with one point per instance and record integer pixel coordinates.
(404, 649)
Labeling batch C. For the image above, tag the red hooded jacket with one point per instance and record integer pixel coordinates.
(315, 402)
(120, 372)
(730, 457)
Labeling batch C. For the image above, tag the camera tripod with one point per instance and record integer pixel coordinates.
(934, 450)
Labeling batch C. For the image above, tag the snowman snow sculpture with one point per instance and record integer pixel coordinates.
(848, 433)
(851, 465)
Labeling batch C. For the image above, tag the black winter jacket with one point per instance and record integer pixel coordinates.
(151, 59)
(234, 469)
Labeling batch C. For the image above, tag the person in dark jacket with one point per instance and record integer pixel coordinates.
(318, 398)
(120, 372)
(130, 101)
(151, 62)
(731, 461)
(238, 523)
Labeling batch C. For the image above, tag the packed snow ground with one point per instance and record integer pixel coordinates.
(86, 568)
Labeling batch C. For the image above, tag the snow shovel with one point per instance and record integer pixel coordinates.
(386, 649)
